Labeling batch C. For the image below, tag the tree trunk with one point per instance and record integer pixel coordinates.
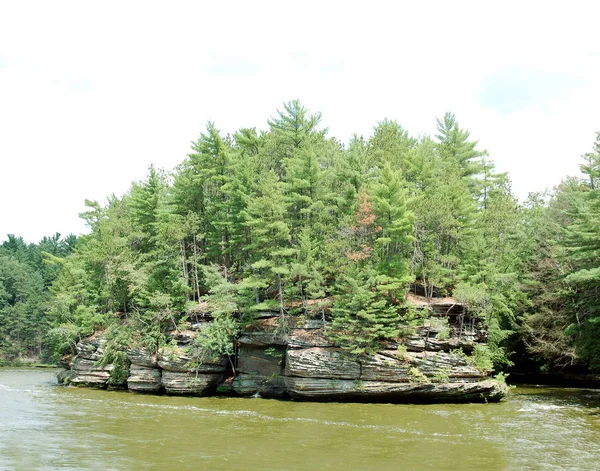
(186, 277)
(196, 269)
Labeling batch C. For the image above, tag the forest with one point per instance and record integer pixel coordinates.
(293, 221)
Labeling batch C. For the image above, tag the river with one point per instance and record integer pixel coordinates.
(48, 427)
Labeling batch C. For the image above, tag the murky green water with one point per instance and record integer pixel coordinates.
(44, 426)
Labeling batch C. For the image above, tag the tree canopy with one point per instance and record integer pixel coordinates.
(291, 220)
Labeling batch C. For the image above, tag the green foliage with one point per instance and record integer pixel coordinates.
(459, 354)
(273, 352)
(290, 221)
(563, 274)
(497, 336)
(362, 315)
(401, 352)
(440, 326)
(481, 358)
(120, 369)
(586, 337)
(26, 271)
(410, 319)
(117, 339)
(417, 376)
(216, 339)
(63, 339)
(442, 375)
(476, 298)
(501, 377)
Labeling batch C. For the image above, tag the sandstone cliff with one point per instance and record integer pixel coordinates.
(431, 364)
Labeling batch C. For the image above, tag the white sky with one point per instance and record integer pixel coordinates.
(91, 93)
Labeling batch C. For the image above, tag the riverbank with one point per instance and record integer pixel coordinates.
(26, 363)
(568, 380)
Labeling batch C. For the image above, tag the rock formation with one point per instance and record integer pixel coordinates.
(429, 364)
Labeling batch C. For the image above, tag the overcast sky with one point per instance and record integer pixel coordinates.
(91, 93)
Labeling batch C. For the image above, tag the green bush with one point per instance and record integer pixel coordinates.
(481, 358)
(417, 376)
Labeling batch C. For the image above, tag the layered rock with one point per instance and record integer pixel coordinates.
(189, 383)
(144, 372)
(178, 360)
(299, 360)
(261, 360)
(332, 374)
(144, 379)
(182, 374)
(316, 389)
(85, 369)
(88, 373)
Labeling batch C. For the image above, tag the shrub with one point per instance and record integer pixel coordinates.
(417, 376)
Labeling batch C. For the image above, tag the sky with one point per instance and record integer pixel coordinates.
(92, 93)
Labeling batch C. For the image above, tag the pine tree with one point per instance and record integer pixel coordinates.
(389, 197)
(454, 146)
(591, 165)
(362, 316)
(294, 125)
(269, 249)
(308, 273)
(582, 244)
(145, 199)
(391, 145)
(217, 338)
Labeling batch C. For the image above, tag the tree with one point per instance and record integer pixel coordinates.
(294, 125)
(269, 250)
(217, 339)
(547, 315)
(146, 199)
(591, 165)
(454, 146)
(391, 145)
(582, 245)
(363, 312)
(389, 197)
(22, 311)
(362, 316)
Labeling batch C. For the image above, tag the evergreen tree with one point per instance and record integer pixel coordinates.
(391, 145)
(269, 250)
(363, 313)
(362, 316)
(591, 165)
(389, 197)
(454, 146)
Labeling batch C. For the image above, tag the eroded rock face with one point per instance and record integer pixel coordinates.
(319, 362)
(440, 364)
(144, 378)
(305, 338)
(249, 384)
(65, 376)
(90, 349)
(260, 371)
(385, 366)
(301, 362)
(142, 358)
(189, 384)
(175, 359)
(263, 333)
(420, 344)
(319, 389)
(88, 373)
(84, 369)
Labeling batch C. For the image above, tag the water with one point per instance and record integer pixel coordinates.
(48, 427)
